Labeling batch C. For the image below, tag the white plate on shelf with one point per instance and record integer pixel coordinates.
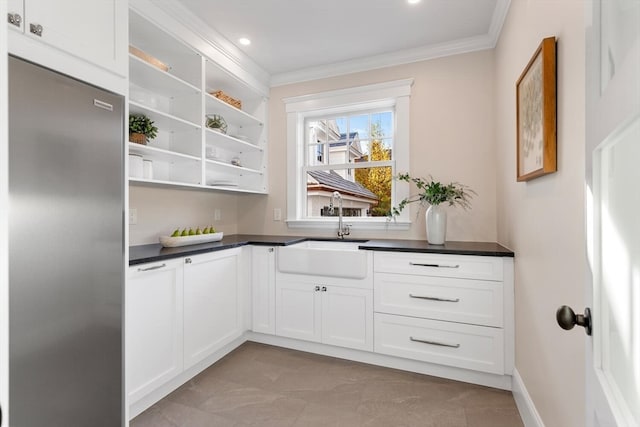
(174, 242)
(242, 138)
(222, 183)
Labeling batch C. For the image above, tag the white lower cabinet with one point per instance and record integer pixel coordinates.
(451, 310)
(446, 343)
(178, 313)
(347, 317)
(154, 324)
(212, 317)
(314, 310)
(263, 289)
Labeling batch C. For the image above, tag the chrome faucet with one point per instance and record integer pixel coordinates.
(343, 230)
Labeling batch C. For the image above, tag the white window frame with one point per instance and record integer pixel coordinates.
(394, 94)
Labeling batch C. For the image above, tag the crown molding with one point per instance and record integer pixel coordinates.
(216, 46)
(497, 21)
(385, 60)
(456, 47)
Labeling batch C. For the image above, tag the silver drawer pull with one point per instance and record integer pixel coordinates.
(418, 264)
(434, 298)
(441, 344)
(155, 267)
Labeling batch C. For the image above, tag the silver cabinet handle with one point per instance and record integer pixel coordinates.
(155, 267)
(441, 344)
(14, 19)
(270, 249)
(434, 298)
(36, 29)
(324, 289)
(418, 264)
(188, 260)
(317, 288)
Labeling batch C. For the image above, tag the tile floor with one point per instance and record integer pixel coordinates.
(261, 385)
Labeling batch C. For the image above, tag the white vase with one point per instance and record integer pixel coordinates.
(436, 219)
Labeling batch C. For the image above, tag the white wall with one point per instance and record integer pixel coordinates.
(452, 138)
(543, 220)
(161, 210)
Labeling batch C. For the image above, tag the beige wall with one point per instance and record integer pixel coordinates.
(161, 210)
(543, 220)
(452, 138)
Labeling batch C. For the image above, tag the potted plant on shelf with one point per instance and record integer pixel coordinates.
(434, 193)
(141, 129)
(217, 122)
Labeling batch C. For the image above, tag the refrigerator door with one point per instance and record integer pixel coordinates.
(66, 250)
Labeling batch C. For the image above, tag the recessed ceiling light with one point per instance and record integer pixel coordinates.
(413, 1)
(244, 41)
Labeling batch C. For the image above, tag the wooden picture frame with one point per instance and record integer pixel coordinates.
(536, 114)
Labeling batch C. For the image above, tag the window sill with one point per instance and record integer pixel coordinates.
(355, 223)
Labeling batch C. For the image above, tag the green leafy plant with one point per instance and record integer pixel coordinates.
(139, 123)
(432, 192)
(216, 121)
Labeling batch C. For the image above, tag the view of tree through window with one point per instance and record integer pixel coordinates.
(351, 154)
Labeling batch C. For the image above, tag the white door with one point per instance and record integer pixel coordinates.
(92, 30)
(15, 15)
(347, 317)
(613, 211)
(212, 318)
(153, 326)
(298, 310)
(263, 282)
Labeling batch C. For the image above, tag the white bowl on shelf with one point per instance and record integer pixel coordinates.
(173, 242)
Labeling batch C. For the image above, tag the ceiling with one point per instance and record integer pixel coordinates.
(296, 40)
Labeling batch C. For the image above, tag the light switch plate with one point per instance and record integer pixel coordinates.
(133, 216)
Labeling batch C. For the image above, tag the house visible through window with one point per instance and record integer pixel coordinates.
(352, 142)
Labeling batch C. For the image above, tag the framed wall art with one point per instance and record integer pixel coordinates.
(536, 114)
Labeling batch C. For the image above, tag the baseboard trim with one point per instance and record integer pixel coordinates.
(528, 412)
(145, 402)
(503, 382)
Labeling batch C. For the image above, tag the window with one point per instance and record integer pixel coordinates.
(351, 141)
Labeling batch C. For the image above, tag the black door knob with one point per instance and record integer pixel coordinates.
(567, 319)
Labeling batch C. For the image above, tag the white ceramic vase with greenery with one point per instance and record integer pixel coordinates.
(434, 193)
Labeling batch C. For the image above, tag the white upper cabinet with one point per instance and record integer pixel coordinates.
(93, 31)
(174, 84)
(15, 15)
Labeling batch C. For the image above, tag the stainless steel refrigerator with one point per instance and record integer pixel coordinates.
(66, 250)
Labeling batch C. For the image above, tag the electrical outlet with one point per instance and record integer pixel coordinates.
(277, 214)
(217, 215)
(133, 216)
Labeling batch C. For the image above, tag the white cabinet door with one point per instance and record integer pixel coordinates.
(347, 317)
(153, 326)
(263, 282)
(95, 31)
(212, 318)
(298, 310)
(15, 14)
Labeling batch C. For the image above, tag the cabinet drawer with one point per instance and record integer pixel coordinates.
(440, 298)
(440, 265)
(478, 348)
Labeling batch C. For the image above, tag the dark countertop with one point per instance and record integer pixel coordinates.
(141, 254)
(455, 248)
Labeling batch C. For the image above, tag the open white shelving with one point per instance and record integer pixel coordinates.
(186, 153)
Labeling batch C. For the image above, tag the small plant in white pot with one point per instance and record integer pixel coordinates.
(433, 194)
